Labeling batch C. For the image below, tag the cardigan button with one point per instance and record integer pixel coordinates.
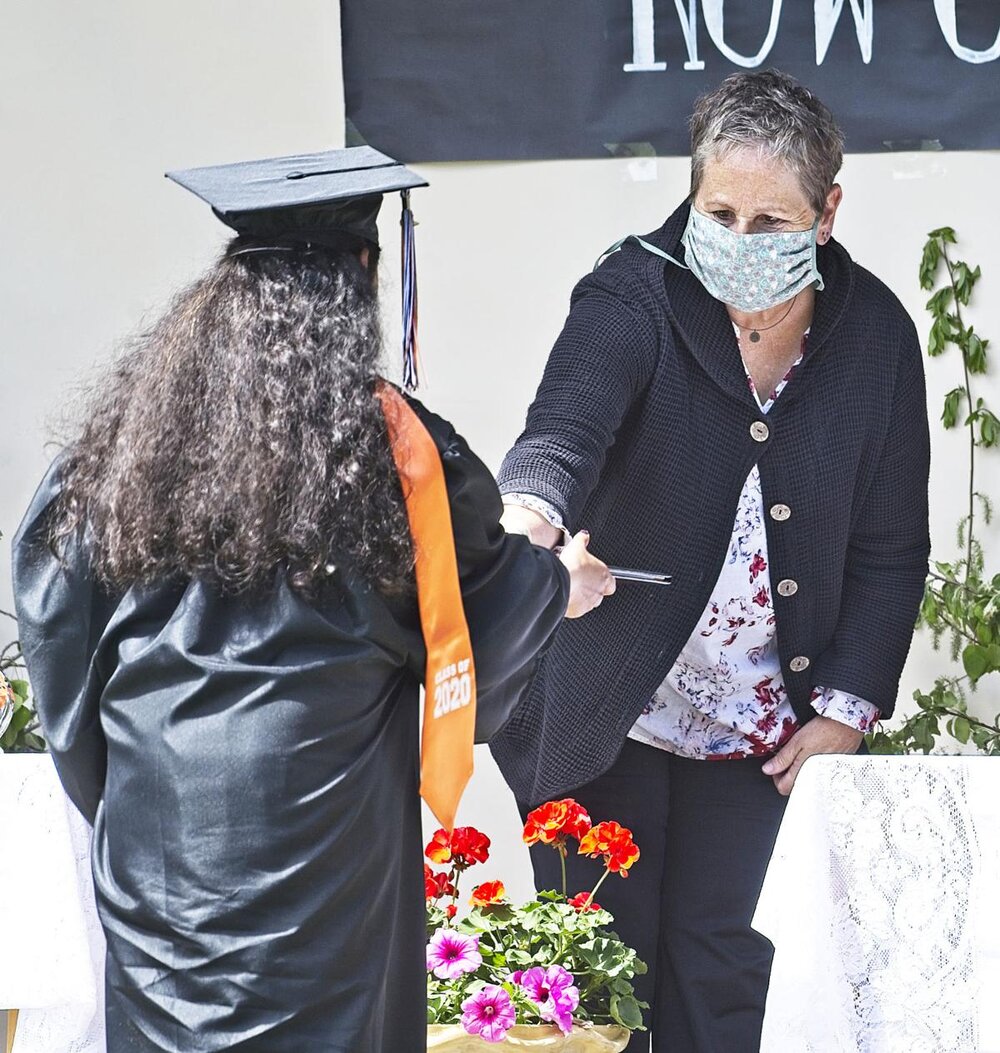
(779, 513)
(759, 431)
(788, 587)
(799, 664)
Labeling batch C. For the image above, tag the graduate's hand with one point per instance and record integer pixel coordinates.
(589, 579)
(819, 735)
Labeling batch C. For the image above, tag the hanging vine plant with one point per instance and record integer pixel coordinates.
(961, 601)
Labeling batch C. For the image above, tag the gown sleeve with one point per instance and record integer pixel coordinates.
(515, 593)
(61, 615)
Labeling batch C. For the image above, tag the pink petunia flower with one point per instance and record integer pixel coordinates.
(554, 991)
(450, 954)
(489, 1013)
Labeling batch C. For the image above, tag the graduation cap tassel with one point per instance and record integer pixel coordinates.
(411, 349)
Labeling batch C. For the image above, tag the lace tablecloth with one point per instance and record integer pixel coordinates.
(52, 948)
(883, 902)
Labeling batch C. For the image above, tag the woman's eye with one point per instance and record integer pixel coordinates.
(723, 215)
(770, 221)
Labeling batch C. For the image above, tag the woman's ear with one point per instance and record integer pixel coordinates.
(826, 220)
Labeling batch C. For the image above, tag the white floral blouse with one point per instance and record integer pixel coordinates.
(725, 698)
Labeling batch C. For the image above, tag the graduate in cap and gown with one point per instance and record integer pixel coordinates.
(230, 587)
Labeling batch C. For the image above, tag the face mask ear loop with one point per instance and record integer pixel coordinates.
(643, 244)
(815, 267)
(608, 252)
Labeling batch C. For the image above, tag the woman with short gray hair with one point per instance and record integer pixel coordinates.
(735, 402)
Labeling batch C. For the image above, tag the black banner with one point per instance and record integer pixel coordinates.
(449, 80)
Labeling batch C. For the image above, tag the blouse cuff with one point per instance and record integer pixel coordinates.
(848, 709)
(550, 514)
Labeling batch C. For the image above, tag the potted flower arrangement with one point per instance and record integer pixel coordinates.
(548, 974)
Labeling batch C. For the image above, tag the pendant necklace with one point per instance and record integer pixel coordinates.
(757, 330)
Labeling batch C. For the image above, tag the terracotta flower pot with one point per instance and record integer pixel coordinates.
(545, 1038)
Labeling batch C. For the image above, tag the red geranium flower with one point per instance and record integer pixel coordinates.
(463, 847)
(487, 893)
(579, 902)
(614, 843)
(451, 910)
(554, 821)
(437, 885)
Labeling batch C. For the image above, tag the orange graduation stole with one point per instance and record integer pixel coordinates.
(450, 677)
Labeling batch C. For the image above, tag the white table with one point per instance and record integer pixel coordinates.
(52, 950)
(883, 902)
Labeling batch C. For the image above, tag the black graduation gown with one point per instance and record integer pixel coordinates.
(251, 771)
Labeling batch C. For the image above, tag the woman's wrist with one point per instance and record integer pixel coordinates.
(517, 519)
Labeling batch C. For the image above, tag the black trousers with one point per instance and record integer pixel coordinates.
(705, 830)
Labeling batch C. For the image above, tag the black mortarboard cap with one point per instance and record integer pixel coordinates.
(311, 199)
(304, 197)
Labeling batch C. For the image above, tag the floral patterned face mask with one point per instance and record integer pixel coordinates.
(751, 272)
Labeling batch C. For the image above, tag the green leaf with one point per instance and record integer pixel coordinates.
(989, 428)
(935, 341)
(962, 281)
(952, 407)
(879, 742)
(21, 688)
(976, 660)
(929, 264)
(939, 303)
(961, 728)
(980, 737)
(966, 282)
(18, 722)
(626, 1011)
(975, 353)
(944, 234)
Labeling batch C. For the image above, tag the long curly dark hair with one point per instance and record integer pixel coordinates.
(240, 437)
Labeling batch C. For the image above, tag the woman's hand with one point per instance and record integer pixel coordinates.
(590, 579)
(517, 519)
(819, 735)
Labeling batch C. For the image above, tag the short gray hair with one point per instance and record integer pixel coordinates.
(771, 111)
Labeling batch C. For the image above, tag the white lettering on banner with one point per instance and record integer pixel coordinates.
(715, 24)
(948, 21)
(828, 14)
(689, 27)
(643, 39)
(644, 33)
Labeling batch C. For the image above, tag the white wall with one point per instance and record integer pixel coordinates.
(97, 100)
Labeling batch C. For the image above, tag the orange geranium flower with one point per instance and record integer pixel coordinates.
(613, 842)
(463, 847)
(579, 902)
(551, 823)
(487, 893)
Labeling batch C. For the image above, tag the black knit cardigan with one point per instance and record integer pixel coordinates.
(641, 433)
